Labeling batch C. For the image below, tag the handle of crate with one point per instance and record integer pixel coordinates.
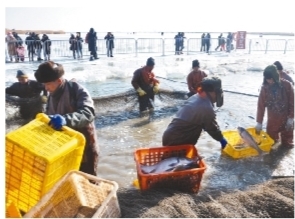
(45, 118)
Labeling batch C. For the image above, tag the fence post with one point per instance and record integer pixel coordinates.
(135, 47)
(266, 46)
(286, 44)
(250, 44)
(163, 47)
(187, 47)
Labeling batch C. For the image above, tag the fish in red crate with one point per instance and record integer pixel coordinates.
(171, 164)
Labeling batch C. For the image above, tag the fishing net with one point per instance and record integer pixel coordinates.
(128, 101)
(19, 111)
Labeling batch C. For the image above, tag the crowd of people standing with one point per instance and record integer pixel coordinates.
(35, 44)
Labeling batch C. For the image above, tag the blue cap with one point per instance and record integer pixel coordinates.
(21, 74)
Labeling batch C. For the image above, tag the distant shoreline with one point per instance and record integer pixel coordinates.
(65, 32)
(36, 31)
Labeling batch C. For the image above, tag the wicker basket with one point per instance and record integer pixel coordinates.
(79, 194)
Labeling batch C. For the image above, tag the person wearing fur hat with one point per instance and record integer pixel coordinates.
(197, 114)
(277, 96)
(194, 78)
(70, 104)
(282, 73)
(146, 85)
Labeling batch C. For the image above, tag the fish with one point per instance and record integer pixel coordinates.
(248, 138)
(171, 164)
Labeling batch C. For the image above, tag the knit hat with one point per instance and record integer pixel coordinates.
(21, 74)
(211, 84)
(271, 72)
(279, 65)
(196, 63)
(150, 62)
(48, 72)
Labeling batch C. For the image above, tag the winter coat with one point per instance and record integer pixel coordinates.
(11, 45)
(194, 79)
(46, 44)
(195, 115)
(30, 43)
(38, 44)
(110, 41)
(92, 38)
(79, 43)
(74, 103)
(278, 99)
(285, 76)
(143, 79)
(73, 42)
(19, 39)
(203, 42)
(27, 90)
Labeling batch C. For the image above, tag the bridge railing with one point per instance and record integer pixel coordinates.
(166, 46)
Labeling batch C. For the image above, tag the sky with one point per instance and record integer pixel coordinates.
(151, 15)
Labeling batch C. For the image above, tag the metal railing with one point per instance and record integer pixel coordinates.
(166, 46)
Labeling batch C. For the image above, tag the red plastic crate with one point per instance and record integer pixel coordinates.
(186, 180)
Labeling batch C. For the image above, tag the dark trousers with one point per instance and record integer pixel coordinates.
(145, 101)
(202, 47)
(93, 53)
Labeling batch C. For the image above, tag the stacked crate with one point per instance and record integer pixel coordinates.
(37, 156)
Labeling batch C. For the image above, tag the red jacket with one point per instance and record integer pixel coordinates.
(194, 79)
(280, 105)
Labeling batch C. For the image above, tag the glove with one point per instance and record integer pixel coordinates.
(44, 99)
(258, 128)
(57, 121)
(156, 88)
(141, 92)
(223, 143)
(289, 124)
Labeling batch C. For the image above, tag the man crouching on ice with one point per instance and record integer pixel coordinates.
(195, 115)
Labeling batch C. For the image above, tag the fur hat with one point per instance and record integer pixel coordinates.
(211, 84)
(21, 74)
(150, 62)
(195, 63)
(271, 72)
(48, 72)
(279, 65)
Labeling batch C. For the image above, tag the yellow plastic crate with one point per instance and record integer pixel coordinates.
(78, 194)
(11, 210)
(37, 156)
(233, 138)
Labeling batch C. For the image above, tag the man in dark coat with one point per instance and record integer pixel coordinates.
(30, 42)
(70, 104)
(30, 89)
(91, 39)
(25, 88)
(195, 115)
(146, 85)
